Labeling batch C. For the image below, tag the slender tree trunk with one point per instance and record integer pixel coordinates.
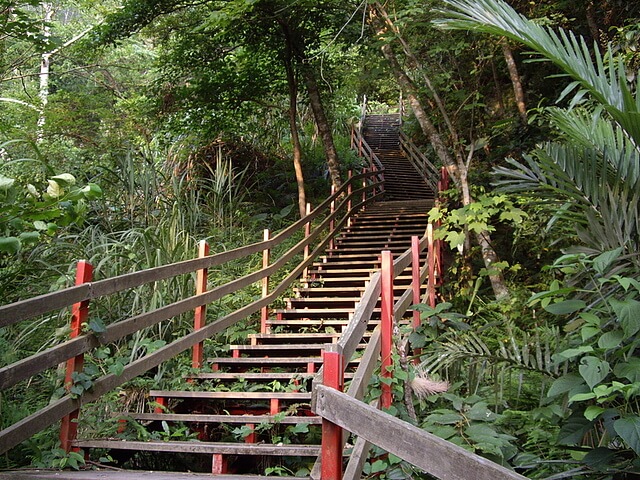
(45, 64)
(324, 129)
(293, 126)
(457, 168)
(515, 80)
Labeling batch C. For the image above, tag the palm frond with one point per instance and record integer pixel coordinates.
(603, 78)
(522, 351)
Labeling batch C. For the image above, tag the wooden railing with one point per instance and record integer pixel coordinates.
(346, 412)
(359, 144)
(329, 218)
(425, 167)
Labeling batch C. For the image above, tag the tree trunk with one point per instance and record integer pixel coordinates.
(457, 168)
(45, 64)
(293, 126)
(515, 80)
(324, 129)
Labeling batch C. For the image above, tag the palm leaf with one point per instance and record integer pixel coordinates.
(603, 78)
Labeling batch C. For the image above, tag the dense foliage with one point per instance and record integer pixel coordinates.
(130, 130)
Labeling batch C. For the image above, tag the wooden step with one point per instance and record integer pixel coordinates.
(225, 448)
(202, 418)
(230, 395)
(255, 377)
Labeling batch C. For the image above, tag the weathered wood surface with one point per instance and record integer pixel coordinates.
(205, 447)
(234, 395)
(432, 454)
(205, 418)
(108, 474)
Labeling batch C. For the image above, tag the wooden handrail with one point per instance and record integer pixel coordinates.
(428, 171)
(426, 451)
(25, 368)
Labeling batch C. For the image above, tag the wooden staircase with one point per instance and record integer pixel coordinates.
(250, 410)
(402, 180)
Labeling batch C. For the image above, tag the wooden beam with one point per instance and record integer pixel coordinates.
(432, 454)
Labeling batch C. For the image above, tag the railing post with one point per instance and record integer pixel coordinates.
(200, 312)
(332, 223)
(443, 184)
(331, 455)
(349, 193)
(386, 305)
(307, 232)
(364, 185)
(79, 316)
(431, 267)
(415, 277)
(266, 258)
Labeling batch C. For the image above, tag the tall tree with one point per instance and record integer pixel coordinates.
(457, 165)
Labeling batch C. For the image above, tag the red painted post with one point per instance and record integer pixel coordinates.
(218, 464)
(349, 193)
(415, 277)
(331, 455)
(431, 267)
(79, 316)
(386, 305)
(200, 312)
(266, 258)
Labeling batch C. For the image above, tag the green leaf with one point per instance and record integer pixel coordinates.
(629, 369)
(445, 418)
(593, 370)
(570, 353)
(378, 466)
(599, 458)
(10, 244)
(611, 339)
(628, 313)
(565, 384)
(480, 411)
(592, 412)
(604, 260)
(574, 429)
(97, 326)
(92, 191)
(565, 307)
(581, 397)
(629, 430)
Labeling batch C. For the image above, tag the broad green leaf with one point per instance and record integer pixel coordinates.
(574, 429)
(378, 466)
(480, 411)
(592, 412)
(628, 313)
(593, 370)
(581, 397)
(10, 244)
(629, 430)
(599, 458)
(611, 339)
(574, 352)
(92, 191)
(40, 225)
(565, 384)
(602, 262)
(445, 418)
(629, 369)
(565, 307)
(29, 237)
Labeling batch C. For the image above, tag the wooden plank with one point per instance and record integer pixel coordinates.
(432, 454)
(205, 447)
(202, 418)
(252, 376)
(231, 395)
(108, 474)
(27, 367)
(353, 333)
